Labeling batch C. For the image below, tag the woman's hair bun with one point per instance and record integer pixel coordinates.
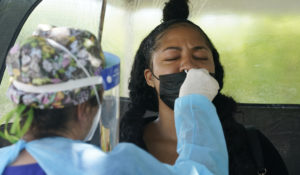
(175, 9)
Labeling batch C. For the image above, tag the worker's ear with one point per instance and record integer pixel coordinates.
(149, 77)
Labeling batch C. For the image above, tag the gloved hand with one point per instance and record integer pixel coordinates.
(198, 81)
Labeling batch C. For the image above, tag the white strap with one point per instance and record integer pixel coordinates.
(59, 46)
(69, 85)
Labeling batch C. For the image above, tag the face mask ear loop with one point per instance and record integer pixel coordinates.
(154, 75)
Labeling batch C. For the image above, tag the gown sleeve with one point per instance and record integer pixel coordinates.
(201, 145)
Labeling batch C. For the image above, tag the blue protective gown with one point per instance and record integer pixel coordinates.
(201, 148)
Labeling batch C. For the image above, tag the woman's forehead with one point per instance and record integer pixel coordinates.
(178, 32)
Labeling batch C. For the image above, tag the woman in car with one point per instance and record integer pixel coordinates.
(174, 47)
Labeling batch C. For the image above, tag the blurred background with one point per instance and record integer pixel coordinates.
(258, 40)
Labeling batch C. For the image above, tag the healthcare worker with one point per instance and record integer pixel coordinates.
(57, 91)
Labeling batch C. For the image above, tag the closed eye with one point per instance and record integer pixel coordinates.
(172, 59)
(200, 58)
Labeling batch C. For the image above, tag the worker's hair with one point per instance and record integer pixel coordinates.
(47, 122)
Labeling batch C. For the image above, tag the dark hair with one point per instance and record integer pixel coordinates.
(46, 122)
(144, 97)
(139, 91)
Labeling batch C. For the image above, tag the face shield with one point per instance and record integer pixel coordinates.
(83, 15)
(109, 123)
(59, 67)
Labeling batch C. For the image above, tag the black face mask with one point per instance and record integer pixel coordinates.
(170, 86)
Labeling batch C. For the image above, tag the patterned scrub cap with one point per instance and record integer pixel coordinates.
(54, 56)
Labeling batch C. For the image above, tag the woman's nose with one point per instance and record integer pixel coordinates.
(187, 64)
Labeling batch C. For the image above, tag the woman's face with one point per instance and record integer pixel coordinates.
(180, 48)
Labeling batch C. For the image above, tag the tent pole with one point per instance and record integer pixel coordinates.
(101, 23)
